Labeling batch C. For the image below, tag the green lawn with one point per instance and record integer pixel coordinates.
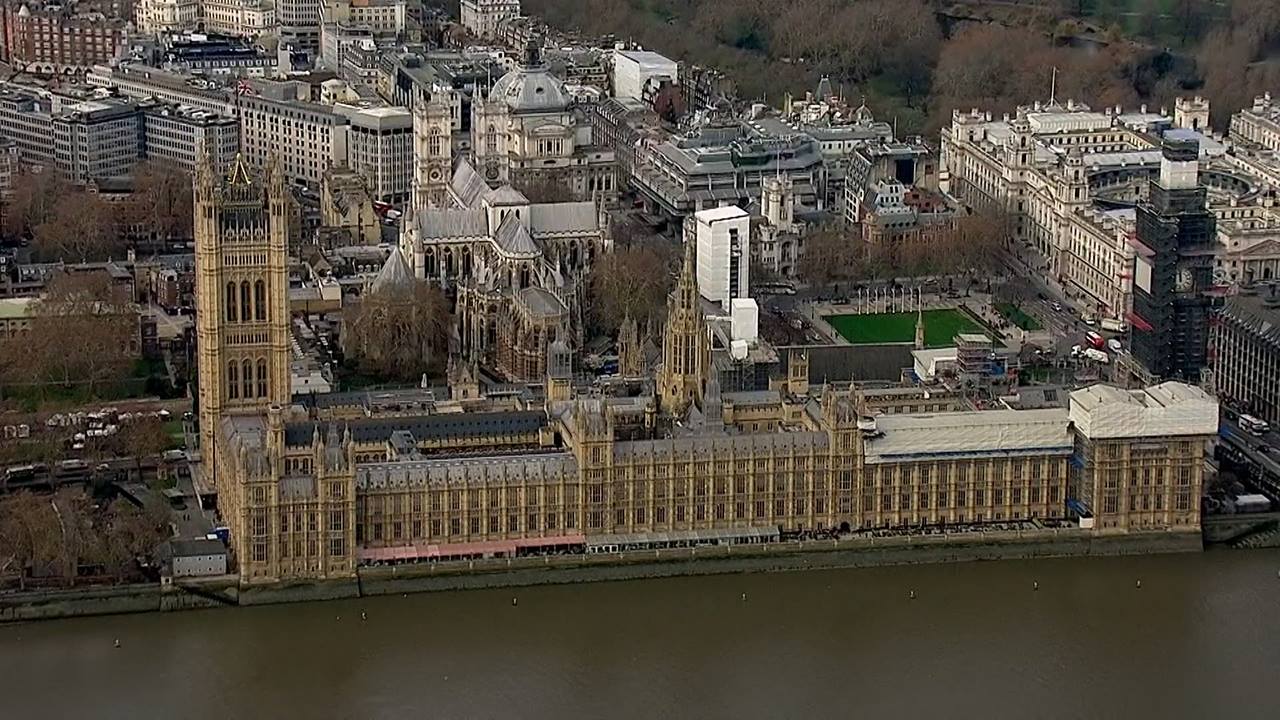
(1015, 315)
(940, 326)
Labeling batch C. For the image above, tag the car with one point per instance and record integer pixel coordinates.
(1114, 345)
(1264, 449)
(1089, 320)
(1057, 306)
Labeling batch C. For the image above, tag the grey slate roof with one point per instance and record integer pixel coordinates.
(450, 224)
(450, 425)
(513, 239)
(467, 184)
(196, 548)
(394, 275)
(557, 218)
(505, 195)
(741, 444)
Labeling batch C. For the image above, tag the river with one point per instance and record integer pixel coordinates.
(1199, 638)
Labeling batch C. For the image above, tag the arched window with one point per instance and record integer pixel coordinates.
(259, 300)
(233, 380)
(431, 262)
(246, 378)
(491, 141)
(262, 378)
(231, 302)
(244, 301)
(435, 143)
(524, 276)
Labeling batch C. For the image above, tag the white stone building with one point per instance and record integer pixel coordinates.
(528, 130)
(248, 18)
(482, 17)
(1065, 173)
(157, 16)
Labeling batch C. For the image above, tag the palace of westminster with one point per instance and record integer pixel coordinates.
(311, 491)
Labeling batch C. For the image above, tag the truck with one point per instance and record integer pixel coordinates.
(1114, 325)
(1097, 356)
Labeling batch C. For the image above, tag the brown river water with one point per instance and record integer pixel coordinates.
(1199, 639)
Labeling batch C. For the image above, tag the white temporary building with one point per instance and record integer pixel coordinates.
(1170, 409)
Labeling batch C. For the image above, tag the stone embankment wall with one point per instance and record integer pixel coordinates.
(561, 569)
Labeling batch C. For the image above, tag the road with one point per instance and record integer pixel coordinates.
(1262, 453)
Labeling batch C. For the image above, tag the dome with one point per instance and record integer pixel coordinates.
(532, 89)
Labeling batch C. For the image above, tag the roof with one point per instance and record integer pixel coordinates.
(1169, 409)
(467, 184)
(728, 212)
(541, 303)
(425, 427)
(743, 443)
(531, 90)
(645, 57)
(1253, 312)
(513, 239)
(394, 275)
(528, 467)
(449, 224)
(966, 434)
(197, 548)
(563, 218)
(505, 195)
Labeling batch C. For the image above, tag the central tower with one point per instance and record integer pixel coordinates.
(686, 349)
(242, 311)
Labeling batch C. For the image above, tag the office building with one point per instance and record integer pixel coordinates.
(181, 135)
(380, 149)
(98, 139)
(1245, 351)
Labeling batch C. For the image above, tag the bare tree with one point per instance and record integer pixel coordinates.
(399, 332)
(35, 200)
(831, 254)
(82, 228)
(162, 201)
(633, 281)
(83, 333)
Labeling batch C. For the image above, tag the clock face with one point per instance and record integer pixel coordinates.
(1184, 280)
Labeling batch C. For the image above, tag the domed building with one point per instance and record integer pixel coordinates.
(529, 131)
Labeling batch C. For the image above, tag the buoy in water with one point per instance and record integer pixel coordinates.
(363, 615)
(1139, 584)
(514, 602)
(117, 642)
(912, 595)
(1035, 584)
(744, 597)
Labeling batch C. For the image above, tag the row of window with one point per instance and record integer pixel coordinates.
(244, 383)
(246, 303)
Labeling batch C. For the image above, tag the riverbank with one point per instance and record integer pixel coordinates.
(859, 552)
